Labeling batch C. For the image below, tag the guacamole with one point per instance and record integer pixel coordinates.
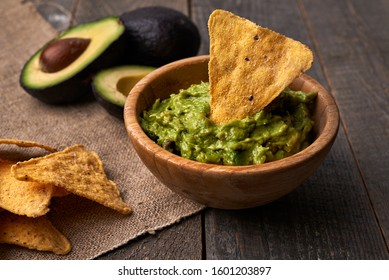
(180, 124)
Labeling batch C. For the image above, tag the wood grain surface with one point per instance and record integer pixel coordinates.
(342, 211)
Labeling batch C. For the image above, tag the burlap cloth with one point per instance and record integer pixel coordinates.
(92, 229)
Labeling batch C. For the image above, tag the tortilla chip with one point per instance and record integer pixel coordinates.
(249, 66)
(77, 170)
(23, 198)
(32, 233)
(59, 192)
(27, 144)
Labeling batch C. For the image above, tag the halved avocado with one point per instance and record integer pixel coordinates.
(105, 49)
(112, 86)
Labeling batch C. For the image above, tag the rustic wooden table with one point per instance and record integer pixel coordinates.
(342, 212)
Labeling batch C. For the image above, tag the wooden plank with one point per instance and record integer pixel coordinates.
(200, 11)
(352, 39)
(179, 242)
(92, 10)
(323, 219)
(62, 14)
(329, 216)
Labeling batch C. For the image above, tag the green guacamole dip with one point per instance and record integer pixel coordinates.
(180, 124)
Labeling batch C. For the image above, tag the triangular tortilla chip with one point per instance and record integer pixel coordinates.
(249, 66)
(33, 233)
(23, 198)
(78, 171)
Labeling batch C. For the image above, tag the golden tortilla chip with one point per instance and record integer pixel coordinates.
(77, 170)
(249, 66)
(27, 144)
(32, 233)
(60, 192)
(23, 198)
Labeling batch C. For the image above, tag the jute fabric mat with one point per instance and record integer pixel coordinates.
(92, 229)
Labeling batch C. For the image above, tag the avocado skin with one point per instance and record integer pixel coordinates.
(78, 86)
(66, 92)
(159, 35)
(111, 108)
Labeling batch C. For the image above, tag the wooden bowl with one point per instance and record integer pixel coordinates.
(227, 187)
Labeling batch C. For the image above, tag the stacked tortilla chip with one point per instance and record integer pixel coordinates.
(26, 189)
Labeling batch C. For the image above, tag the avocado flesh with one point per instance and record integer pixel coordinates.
(112, 86)
(104, 50)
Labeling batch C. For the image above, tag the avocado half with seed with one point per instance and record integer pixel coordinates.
(60, 72)
(112, 86)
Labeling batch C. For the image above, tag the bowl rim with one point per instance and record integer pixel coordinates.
(136, 132)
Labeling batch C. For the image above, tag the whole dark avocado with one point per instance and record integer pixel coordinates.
(159, 35)
(60, 72)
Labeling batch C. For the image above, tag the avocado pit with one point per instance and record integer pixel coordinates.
(59, 54)
(125, 84)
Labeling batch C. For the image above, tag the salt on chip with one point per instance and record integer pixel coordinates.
(249, 66)
(78, 171)
(26, 144)
(23, 198)
(33, 233)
